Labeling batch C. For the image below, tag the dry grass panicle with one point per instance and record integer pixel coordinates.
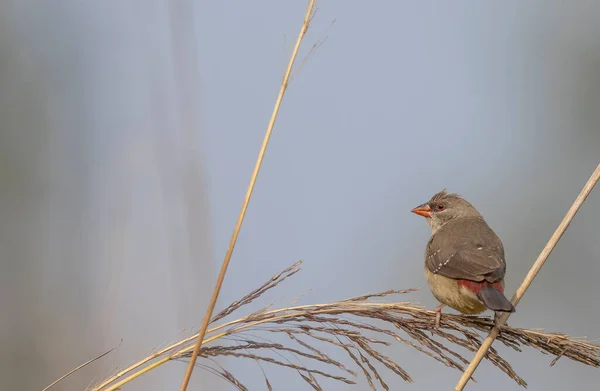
(356, 328)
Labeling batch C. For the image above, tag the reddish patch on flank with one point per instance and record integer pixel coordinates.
(476, 287)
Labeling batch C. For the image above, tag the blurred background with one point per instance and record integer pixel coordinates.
(128, 132)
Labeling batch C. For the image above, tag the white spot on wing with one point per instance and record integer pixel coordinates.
(434, 254)
(437, 269)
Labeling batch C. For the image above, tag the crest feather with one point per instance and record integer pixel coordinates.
(442, 195)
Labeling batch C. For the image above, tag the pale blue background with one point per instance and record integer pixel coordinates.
(129, 131)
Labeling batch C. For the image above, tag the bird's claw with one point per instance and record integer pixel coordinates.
(438, 315)
(499, 325)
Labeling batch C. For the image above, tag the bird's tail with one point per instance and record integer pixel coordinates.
(495, 300)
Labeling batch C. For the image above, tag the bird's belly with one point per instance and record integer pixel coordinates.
(447, 291)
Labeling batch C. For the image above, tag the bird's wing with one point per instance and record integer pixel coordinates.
(469, 251)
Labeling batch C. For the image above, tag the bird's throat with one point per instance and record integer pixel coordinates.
(434, 224)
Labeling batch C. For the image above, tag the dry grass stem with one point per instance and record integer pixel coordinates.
(296, 338)
(211, 306)
(537, 266)
(85, 364)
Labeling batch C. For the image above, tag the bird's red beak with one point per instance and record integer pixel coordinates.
(422, 210)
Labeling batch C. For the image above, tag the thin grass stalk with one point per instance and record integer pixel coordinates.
(211, 306)
(537, 266)
(85, 364)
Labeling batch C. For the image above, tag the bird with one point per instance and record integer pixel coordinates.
(464, 258)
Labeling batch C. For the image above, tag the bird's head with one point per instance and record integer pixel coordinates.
(444, 207)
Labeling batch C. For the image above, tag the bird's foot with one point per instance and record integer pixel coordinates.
(497, 322)
(438, 315)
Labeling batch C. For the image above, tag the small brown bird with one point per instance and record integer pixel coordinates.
(464, 259)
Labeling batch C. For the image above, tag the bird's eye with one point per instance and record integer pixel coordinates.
(441, 207)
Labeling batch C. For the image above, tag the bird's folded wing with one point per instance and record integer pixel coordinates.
(469, 261)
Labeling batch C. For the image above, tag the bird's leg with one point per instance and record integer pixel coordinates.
(496, 318)
(438, 315)
(497, 315)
